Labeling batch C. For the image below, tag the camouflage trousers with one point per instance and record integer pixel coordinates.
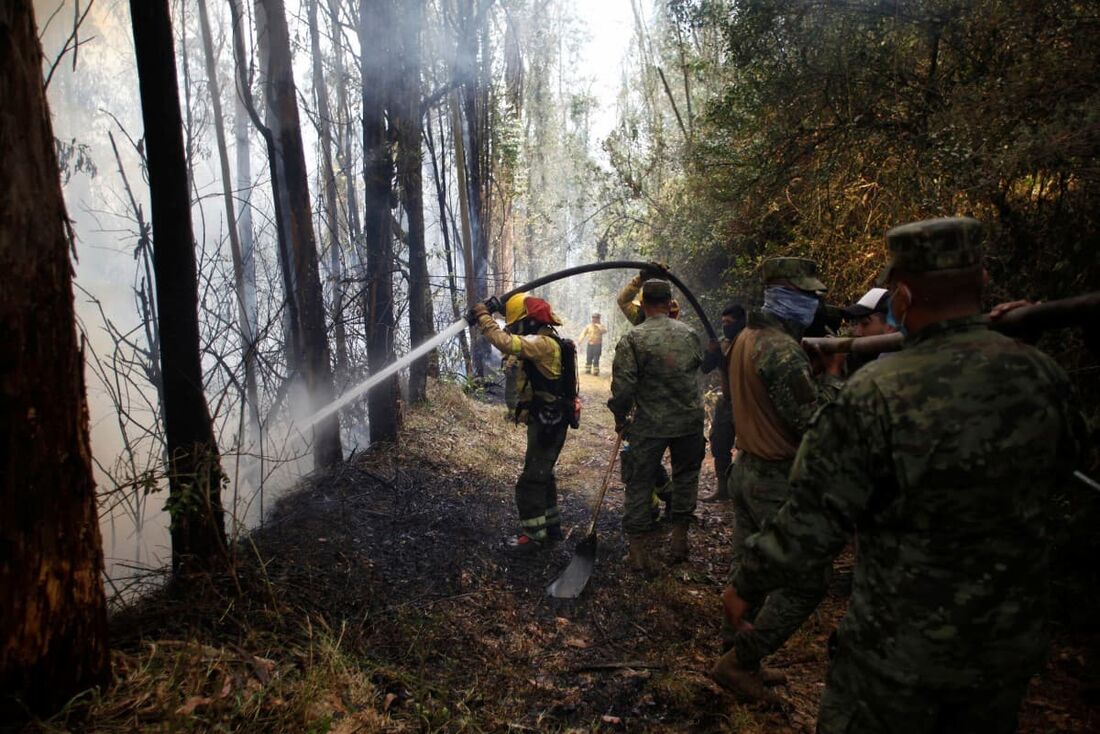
(861, 701)
(721, 441)
(640, 468)
(759, 488)
(537, 488)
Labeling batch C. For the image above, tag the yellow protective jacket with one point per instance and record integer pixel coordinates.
(630, 291)
(540, 349)
(593, 334)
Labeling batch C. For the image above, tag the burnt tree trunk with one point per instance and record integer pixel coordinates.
(240, 279)
(53, 622)
(439, 175)
(476, 176)
(292, 199)
(405, 115)
(376, 25)
(330, 195)
(194, 472)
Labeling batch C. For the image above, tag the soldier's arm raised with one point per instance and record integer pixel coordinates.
(831, 485)
(626, 299)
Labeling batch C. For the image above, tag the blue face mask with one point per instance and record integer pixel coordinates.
(790, 304)
(892, 320)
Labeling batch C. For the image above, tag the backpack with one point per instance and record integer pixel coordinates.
(566, 405)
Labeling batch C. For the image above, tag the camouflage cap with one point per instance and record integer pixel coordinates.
(656, 290)
(801, 272)
(948, 243)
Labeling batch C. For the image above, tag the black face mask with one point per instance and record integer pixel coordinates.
(730, 331)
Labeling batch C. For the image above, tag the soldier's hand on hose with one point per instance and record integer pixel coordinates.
(735, 608)
(831, 364)
(475, 313)
(621, 423)
(1001, 309)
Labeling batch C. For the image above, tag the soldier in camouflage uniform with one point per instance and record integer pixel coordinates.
(656, 374)
(941, 461)
(722, 430)
(774, 393)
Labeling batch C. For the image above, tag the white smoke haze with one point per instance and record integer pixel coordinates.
(572, 61)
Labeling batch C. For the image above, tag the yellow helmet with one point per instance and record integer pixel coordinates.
(515, 309)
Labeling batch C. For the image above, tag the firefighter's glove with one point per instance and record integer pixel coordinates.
(653, 269)
(494, 305)
(476, 313)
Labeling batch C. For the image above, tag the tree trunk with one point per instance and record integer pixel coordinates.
(330, 197)
(243, 148)
(405, 115)
(472, 141)
(292, 199)
(53, 622)
(376, 24)
(195, 475)
(345, 135)
(464, 220)
(248, 345)
(439, 174)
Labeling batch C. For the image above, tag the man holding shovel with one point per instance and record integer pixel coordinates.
(656, 374)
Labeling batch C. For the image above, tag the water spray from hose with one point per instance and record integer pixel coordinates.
(456, 328)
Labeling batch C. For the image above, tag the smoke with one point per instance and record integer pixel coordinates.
(558, 157)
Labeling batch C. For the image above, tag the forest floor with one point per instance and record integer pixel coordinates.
(378, 597)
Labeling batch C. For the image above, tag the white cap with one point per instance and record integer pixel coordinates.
(872, 301)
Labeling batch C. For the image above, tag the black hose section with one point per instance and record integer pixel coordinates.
(614, 265)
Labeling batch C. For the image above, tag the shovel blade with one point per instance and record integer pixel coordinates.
(574, 578)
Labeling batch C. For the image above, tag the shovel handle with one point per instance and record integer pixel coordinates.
(606, 481)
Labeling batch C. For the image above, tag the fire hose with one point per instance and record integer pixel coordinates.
(616, 265)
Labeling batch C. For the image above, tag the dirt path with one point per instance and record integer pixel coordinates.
(386, 602)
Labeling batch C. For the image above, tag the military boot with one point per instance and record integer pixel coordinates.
(745, 683)
(596, 370)
(678, 543)
(640, 553)
(588, 369)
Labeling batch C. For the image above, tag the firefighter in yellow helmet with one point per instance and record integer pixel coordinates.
(541, 368)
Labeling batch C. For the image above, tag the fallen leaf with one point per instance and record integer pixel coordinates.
(609, 719)
(193, 703)
(388, 701)
(576, 642)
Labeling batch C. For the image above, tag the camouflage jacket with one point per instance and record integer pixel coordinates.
(656, 371)
(941, 460)
(793, 393)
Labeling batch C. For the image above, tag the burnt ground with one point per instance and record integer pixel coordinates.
(378, 597)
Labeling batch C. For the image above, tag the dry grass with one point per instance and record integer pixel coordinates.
(377, 598)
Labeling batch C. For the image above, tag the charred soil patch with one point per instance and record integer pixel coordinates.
(379, 597)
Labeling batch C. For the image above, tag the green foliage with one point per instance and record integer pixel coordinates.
(821, 125)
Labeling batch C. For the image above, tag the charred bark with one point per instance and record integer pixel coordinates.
(195, 475)
(53, 622)
(376, 25)
(292, 201)
(405, 115)
(330, 196)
